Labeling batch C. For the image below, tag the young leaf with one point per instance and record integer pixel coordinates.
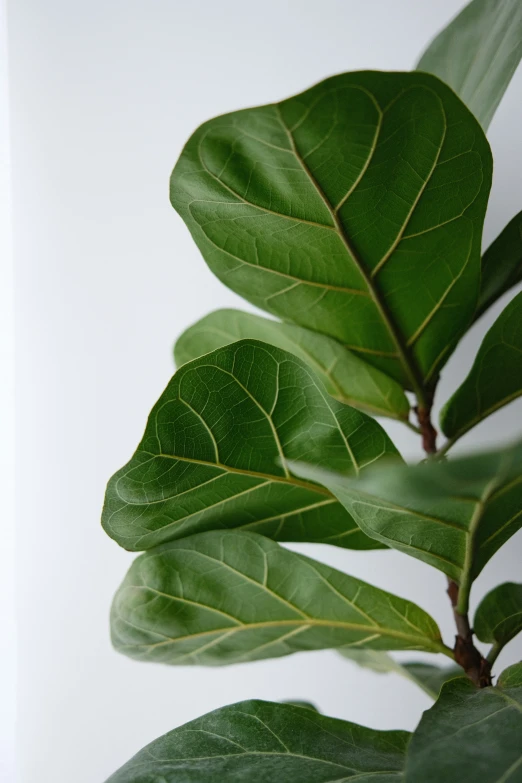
(228, 597)
(354, 209)
(478, 53)
(214, 454)
(470, 734)
(427, 676)
(499, 616)
(495, 378)
(346, 377)
(501, 265)
(261, 742)
(452, 515)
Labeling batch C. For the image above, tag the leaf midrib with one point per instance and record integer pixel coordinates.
(408, 363)
(424, 641)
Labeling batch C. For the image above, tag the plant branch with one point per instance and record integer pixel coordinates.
(427, 430)
(477, 668)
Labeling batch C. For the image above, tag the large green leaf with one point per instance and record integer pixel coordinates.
(478, 53)
(260, 742)
(501, 264)
(470, 735)
(215, 448)
(345, 376)
(427, 676)
(228, 597)
(354, 209)
(499, 616)
(495, 378)
(452, 515)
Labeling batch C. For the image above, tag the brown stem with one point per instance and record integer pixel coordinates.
(474, 664)
(428, 431)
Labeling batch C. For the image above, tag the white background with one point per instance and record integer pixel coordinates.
(103, 96)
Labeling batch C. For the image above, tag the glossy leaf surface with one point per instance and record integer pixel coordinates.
(453, 515)
(495, 378)
(346, 377)
(470, 734)
(501, 264)
(427, 676)
(260, 742)
(354, 209)
(499, 615)
(478, 53)
(229, 597)
(214, 454)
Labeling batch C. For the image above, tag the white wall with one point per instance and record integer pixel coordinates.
(7, 571)
(104, 94)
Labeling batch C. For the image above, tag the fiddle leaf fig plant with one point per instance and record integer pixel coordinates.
(352, 214)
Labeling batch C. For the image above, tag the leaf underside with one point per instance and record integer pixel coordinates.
(214, 454)
(453, 515)
(478, 53)
(261, 742)
(354, 209)
(228, 597)
(499, 615)
(495, 378)
(345, 376)
(429, 677)
(470, 734)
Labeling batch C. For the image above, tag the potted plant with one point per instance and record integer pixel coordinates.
(353, 213)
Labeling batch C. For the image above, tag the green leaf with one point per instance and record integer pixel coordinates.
(306, 705)
(427, 676)
(452, 515)
(260, 742)
(214, 454)
(495, 378)
(478, 53)
(345, 376)
(354, 209)
(499, 616)
(501, 265)
(228, 597)
(470, 735)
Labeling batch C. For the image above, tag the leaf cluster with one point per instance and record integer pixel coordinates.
(353, 214)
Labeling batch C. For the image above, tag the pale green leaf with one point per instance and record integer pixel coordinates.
(495, 378)
(346, 377)
(427, 676)
(260, 742)
(354, 209)
(499, 615)
(470, 735)
(214, 454)
(501, 265)
(453, 515)
(228, 597)
(478, 53)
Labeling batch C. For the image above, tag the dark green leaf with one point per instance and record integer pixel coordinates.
(260, 742)
(427, 676)
(228, 597)
(470, 735)
(478, 53)
(499, 616)
(346, 377)
(453, 515)
(214, 451)
(354, 209)
(501, 265)
(495, 378)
